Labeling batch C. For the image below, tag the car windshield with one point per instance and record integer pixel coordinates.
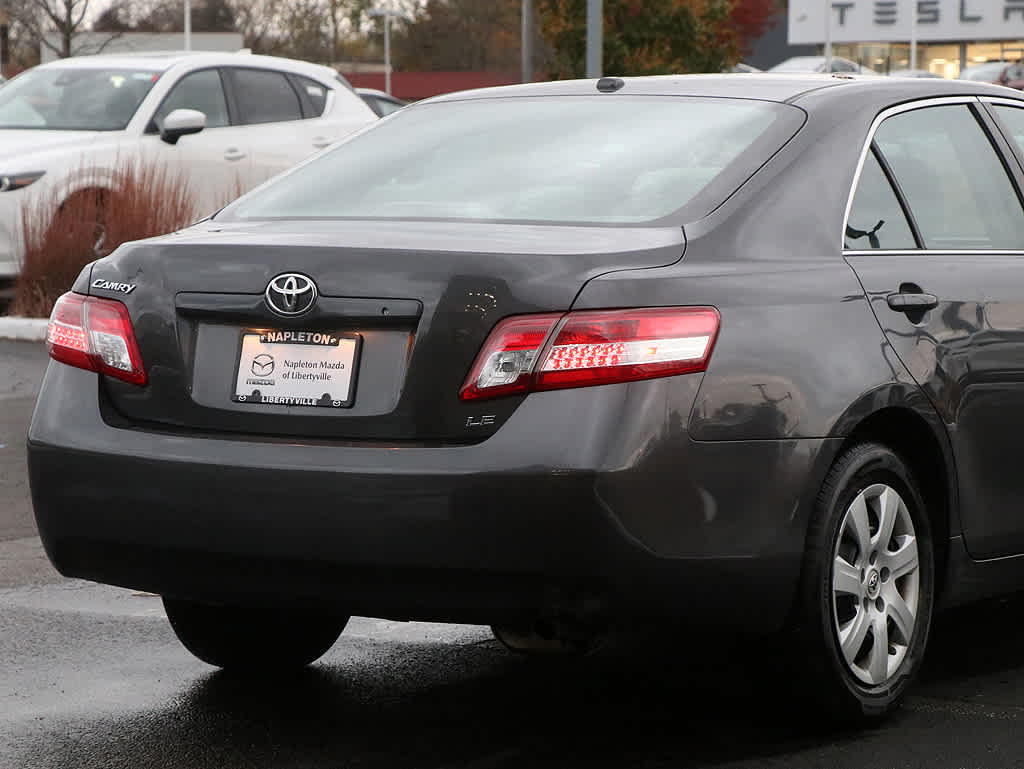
(546, 159)
(67, 99)
(987, 72)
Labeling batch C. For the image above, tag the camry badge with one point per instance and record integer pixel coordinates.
(109, 285)
(291, 294)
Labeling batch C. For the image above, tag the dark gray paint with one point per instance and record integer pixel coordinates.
(616, 499)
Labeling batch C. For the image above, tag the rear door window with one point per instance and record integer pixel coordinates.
(954, 182)
(264, 96)
(315, 93)
(876, 217)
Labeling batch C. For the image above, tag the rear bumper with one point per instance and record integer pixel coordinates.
(585, 501)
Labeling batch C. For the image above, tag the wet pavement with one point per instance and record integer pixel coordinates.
(92, 676)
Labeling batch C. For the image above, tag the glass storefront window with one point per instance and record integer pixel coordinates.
(943, 59)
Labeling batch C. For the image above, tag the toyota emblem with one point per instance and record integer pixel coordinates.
(291, 294)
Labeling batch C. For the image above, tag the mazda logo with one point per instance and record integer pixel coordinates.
(262, 365)
(291, 294)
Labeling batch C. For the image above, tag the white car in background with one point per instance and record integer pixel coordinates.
(804, 64)
(380, 102)
(228, 122)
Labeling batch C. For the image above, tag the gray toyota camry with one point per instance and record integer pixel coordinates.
(745, 352)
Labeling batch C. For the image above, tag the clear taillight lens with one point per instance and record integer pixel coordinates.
(95, 334)
(592, 348)
(506, 362)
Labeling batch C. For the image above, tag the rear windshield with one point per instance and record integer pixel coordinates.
(66, 99)
(581, 159)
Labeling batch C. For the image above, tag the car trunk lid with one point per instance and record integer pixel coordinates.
(419, 298)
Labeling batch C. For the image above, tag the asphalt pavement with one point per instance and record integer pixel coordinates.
(91, 677)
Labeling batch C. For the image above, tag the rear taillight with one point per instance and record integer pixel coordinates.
(549, 352)
(95, 334)
(506, 362)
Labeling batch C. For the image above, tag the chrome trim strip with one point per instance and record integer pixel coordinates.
(1002, 100)
(887, 113)
(932, 252)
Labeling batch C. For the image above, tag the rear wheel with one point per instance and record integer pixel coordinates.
(868, 585)
(239, 637)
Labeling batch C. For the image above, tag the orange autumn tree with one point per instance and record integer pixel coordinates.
(652, 37)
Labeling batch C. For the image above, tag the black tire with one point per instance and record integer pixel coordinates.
(234, 637)
(835, 685)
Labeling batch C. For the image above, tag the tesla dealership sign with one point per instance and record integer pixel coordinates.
(857, 21)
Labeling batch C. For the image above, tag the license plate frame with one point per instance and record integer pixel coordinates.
(280, 342)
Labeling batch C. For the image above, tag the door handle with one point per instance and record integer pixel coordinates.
(321, 141)
(912, 301)
(233, 153)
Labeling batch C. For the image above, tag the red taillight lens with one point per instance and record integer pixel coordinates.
(95, 334)
(600, 347)
(66, 337)
(591, 348)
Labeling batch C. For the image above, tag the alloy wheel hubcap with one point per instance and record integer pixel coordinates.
(875, 584)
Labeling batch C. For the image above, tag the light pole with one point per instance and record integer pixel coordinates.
(913, 34)
(188, 25)
(526, 43)
(4, 43)
(387, 14)
(828, 35)
(595, 41)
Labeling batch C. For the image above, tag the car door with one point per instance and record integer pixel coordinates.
(216, 161)
(271, 113)
(319, 104)
(934, 232)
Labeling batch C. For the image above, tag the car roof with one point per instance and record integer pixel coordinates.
(761, 86)
(161, 61)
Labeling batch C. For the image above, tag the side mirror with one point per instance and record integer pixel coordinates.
(182, 122)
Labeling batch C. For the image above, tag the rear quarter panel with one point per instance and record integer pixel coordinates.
(800, 359)
(799, 344)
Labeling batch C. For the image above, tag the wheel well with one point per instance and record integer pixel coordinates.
(909, 435)
(98, 193)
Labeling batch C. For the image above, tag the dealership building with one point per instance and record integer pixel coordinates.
(950, 34)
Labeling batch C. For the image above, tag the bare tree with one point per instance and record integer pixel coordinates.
(255, 20)
(63, 19)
